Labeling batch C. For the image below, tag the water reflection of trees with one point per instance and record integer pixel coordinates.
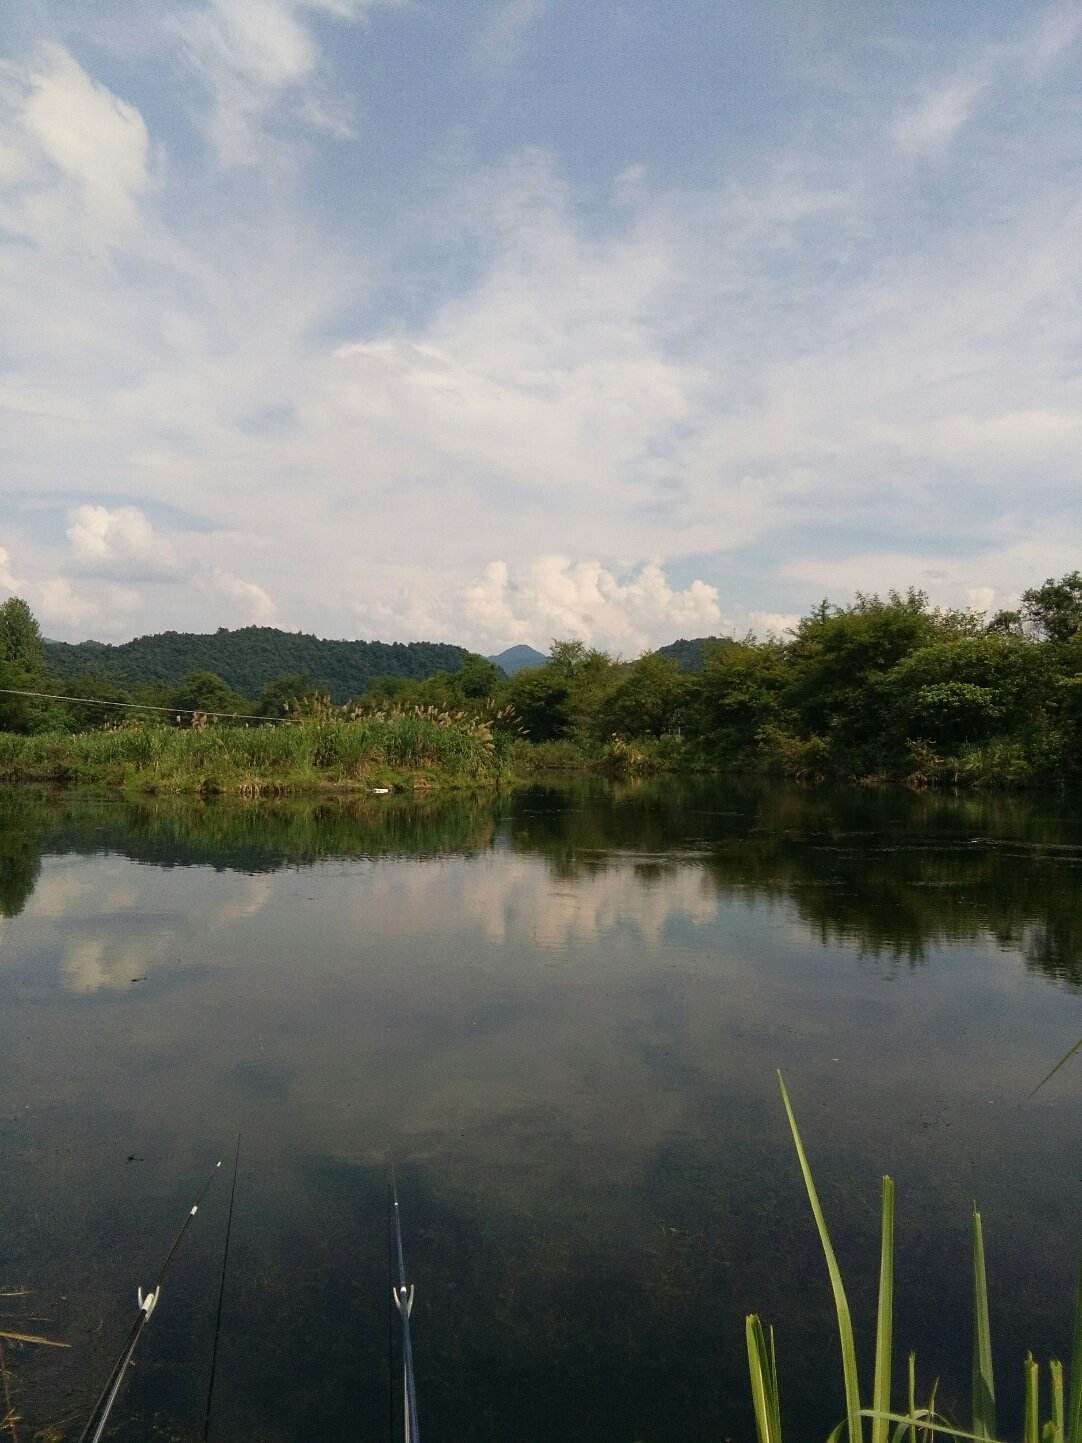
(895, 873)
(20, 858)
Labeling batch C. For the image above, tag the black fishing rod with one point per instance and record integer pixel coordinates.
(402, 1295)
(221, 1294)
(98, 1419)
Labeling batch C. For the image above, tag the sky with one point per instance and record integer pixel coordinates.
(499, 321)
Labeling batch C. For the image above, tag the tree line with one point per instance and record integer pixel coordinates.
(888, 687)
(250, 657)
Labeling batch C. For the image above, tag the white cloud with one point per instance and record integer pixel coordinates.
(556, 597)
(108, 609)
(60, 603)
(94, 138)
(253, 56)
(8, 580)
(105, 541)
(933, 122)
(762, 371)
(254, 604)
(773, 623)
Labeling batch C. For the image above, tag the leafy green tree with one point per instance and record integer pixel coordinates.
(1054, 610)
(647, 699)
(281, 696)
(738, 693)
(970, 689)
(20, 638)
(21, 667)
(79, 716)
(839, 657)
(17, 713)
(953, 712)
(1005, 623)
(477, 679)
(205, 692)
(541, 698)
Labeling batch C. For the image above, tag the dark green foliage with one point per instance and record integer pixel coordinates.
(79, 717)
(248, 659)
(283, 695)
(541, 699)
(1054, 610)
(648, 699)
(477, 678)
(205, 692)
(840, 655)
(20, 637)
(691, 655)
(739, 694)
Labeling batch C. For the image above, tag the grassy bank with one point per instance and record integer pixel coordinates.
(993, 765)
(420, 748)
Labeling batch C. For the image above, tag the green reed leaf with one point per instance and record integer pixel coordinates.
(1074, 1406)
(841, 1302)
(1055, 1373)
(764, 1382)
(884, 1315)
(1031, 1428)
(984, 1394)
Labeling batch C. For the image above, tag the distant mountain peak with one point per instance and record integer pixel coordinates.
(516, 658)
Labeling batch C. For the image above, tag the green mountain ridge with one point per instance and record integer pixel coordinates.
(250, 657)
(690, 654)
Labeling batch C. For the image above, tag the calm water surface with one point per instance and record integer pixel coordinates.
(561, 1010)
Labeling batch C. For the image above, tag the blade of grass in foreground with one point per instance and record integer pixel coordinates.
(1031, 1430)
(984, 1393)
(929, 1423)
(885, 1317)
(764, 1382)
(841, 1302)
(1074, 1405)
(1055, 1373)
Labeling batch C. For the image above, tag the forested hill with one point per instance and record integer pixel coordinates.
(251, 657)
(690, 655)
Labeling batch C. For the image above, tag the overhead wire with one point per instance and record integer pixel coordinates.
(139, 706)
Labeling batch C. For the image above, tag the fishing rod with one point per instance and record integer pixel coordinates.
(221, 1294)
(402, 1296)
(98, 1419)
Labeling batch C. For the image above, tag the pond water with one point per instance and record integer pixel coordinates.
(560, 1010)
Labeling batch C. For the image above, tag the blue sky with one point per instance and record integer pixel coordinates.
(503, 320)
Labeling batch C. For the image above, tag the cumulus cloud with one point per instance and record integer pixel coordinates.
(555, 597)
(254, 605)
(773, 623)
(106, 541)
(60, 603)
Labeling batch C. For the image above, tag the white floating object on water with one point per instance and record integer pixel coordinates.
(380, 791)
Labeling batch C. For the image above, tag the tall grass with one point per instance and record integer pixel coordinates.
(420, 745)
(1062, 1425)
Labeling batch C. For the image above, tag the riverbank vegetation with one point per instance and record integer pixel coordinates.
(1050, 1413)
(878, 689)
(395, 749)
